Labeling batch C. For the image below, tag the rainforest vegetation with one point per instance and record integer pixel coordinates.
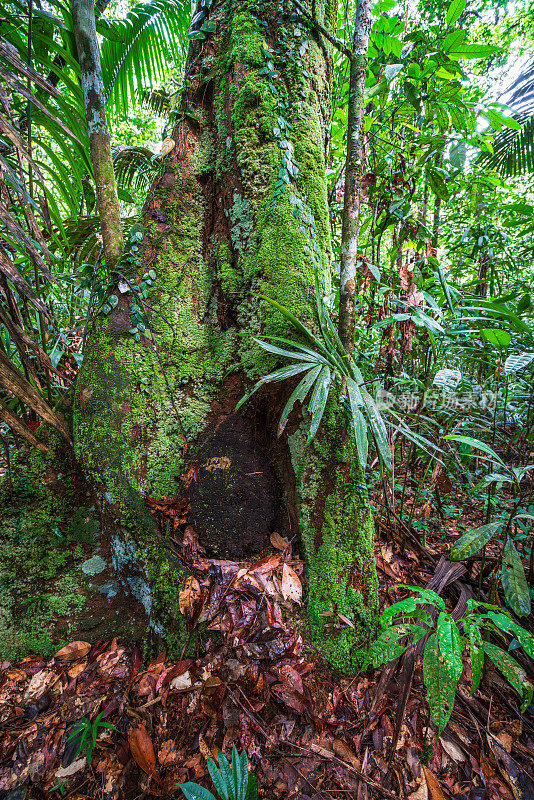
(266, 399)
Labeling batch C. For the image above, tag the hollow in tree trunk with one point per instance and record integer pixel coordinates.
(238, 210)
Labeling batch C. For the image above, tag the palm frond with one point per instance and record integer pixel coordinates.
(513, 151)
(140, 48)
(135, 167)
(157, 100)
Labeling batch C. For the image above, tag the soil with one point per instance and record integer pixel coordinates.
(235, 494)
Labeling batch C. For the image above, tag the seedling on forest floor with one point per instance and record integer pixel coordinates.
(233, 783)
(84, 734)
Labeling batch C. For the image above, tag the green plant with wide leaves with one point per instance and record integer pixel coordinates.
(514, 580)
(422, 618)
(231, 783)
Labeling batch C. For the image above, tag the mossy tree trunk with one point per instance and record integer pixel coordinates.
(239, 210)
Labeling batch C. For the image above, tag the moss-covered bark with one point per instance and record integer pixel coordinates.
(219, 231)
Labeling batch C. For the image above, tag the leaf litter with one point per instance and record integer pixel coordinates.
(308, 733)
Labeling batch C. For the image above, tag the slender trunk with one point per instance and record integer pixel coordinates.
(353, 172)
(239, 210)
(83, 16)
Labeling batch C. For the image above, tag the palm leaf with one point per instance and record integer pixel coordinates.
(144, 44)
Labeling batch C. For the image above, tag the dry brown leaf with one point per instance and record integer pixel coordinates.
(434, 789)
(452, 750)
(39, 683)
(166, 146)
(189, 596)
(168, 754)
(143, 751)
(204, 747)
(73, 651)
(291, 585)
(278, 541)
(346, 753)
(72, 769)
(77, 668)
(182, 682)
(421, 793)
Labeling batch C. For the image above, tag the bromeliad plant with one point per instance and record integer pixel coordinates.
(324, 363)
(411, 620)
(231, 783)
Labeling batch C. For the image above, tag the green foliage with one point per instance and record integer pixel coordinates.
(445, 643)
(84, 733)
(231, 783)
(326, 365)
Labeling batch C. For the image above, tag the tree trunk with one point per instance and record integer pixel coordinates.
(353, 173)
(239, 210)
(83, 18)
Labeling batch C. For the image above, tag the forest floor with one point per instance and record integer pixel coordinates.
(308, 733)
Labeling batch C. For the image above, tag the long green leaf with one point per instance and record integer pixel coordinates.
(227, 775)
(450, 644)
(514, 581)
(299, 393)
(279, 375)
(217, 779)
(378, 428)
(473, 541)
(297, 324)
(358, 421)
(195, 792)
(506, 624)
(511, 670)
(318, 400)
(453, 437)
(439, 682)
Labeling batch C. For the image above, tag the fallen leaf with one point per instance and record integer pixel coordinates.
(166, 146)
(289, 696)
(39, 683)
(278, 541)
(73, 651)
(189, 596)
(434, 789)
(143, 751)
(72, 769)
(168, 754)
(346, 753)
(77, 669)
(421, 793)
(182, 682)
(204, 747)
(291, 585)
(290, 676)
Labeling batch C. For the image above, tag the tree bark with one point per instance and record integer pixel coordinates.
(239, 210)
(83, 17)
(353, 173)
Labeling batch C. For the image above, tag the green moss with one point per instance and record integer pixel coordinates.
(42, 588)
(138, 404)
(338, 536)
(230, 277)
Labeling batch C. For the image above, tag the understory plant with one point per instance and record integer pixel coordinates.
(423, 616)
(231, 783)
(84, 734)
